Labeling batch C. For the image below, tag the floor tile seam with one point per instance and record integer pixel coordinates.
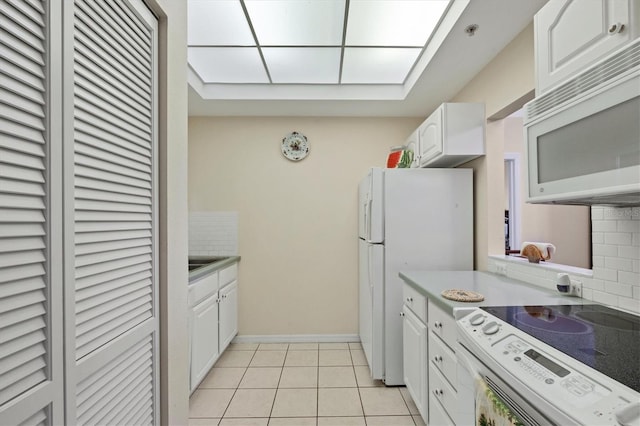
(364, 415)
(318, 383)
(236, 389)
(407, 404)
(275, 395)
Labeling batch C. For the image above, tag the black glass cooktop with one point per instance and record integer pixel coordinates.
(603, 338)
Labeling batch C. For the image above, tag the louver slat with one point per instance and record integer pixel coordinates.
(114, 37)
(24, 349)
(39, 418)
(108, 393)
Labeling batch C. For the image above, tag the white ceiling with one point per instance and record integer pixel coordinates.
(450, 60)
(309, 41)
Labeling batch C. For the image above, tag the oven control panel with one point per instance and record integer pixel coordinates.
(544, 372)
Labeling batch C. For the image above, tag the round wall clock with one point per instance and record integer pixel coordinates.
(295, 146)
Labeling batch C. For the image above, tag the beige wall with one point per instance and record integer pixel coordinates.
(567, 227)
(174, 353)
(504, 81)
(503, 85)
(297, 221)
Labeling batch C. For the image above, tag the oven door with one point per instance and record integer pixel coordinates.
(494, 400)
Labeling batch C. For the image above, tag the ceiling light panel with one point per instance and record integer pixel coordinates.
(218, 23)
(303, 65)
(297, 22)
(370, 65)
(228, 64)
(393, 22)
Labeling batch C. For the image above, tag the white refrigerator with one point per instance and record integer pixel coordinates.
(409, 219)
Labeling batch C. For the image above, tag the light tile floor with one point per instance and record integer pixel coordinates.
(298, 384)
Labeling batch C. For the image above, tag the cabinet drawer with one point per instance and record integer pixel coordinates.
(437, 415)
(415, 301)
(443, 358)
(442, 391)
(442, 324)
(228, 274)
(202, 288)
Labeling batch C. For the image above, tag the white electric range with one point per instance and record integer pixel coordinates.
(560, 364)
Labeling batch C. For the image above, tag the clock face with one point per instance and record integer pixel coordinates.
(295, 146)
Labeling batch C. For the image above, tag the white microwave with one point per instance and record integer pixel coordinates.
(586, 150)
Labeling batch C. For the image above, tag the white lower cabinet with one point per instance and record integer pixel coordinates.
(443, 397)
(213, 321)
(437, 415)
(414, 334)
(228, 315)
(429, 361)
(204, 338)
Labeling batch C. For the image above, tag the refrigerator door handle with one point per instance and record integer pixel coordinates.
(367, 216)
(370, 271)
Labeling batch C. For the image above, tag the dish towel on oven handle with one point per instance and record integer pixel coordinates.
(490, 410)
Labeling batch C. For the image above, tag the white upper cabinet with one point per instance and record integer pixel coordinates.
(453, 134)
(430, 137)
(571, 35)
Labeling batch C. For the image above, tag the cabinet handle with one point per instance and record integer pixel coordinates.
(438, 392)
(616, 28)
(437, 359)
(401, 314)
(409, 299)
(437, 324)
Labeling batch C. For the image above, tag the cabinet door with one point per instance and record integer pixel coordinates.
(204, 338)
(414, 351)
(573, 34)
(430, 137)
(228, 326)
(412, 144)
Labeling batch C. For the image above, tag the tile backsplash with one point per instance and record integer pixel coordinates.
(213, 233)
(615, 277)
(615, 242)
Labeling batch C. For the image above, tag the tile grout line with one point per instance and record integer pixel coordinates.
(318, 385)
(273, 404)
(407, 405)
(364, 416)
(238, 386)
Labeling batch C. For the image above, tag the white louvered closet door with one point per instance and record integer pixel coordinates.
(30, 283)
(114, 327)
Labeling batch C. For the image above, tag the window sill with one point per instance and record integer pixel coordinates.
(544, 265)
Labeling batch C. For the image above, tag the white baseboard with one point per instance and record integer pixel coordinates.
(296, 338)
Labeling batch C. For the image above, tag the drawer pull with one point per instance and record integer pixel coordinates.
(437, 359)
(437, 324)
(401, 314)
(438, 392)
(410, 299)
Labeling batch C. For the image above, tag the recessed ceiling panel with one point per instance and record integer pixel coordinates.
(311, 65)
(218, 23)
(297, 22)
(392, 22)
(377, 65)
(228, 64)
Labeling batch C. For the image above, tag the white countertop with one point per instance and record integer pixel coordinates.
(497, 290)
